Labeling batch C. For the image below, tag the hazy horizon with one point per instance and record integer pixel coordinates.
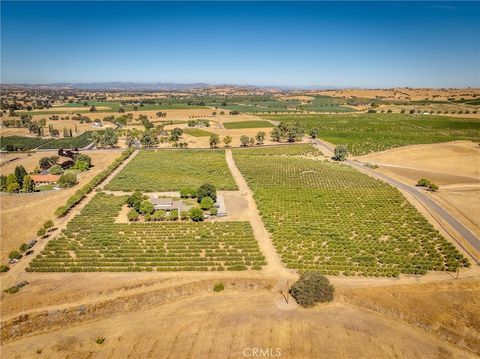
(284, 44)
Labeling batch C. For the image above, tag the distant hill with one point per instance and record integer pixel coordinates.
(156, 86)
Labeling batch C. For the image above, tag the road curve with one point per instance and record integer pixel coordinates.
(468, 235)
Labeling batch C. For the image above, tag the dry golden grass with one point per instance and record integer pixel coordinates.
(221, 325)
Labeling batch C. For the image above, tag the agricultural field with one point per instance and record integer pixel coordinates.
(197, 132)
(326, 104)
(366, 133)
(329, 217)
(93, 242)
(170, 170)
(70, 142)
(21, 143)
(247, 124)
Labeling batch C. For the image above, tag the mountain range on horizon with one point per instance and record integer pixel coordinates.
(154, 86)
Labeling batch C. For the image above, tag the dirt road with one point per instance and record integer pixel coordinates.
(274, 265)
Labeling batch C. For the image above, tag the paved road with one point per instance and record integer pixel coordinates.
(470, 237)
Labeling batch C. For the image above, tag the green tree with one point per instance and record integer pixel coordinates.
(28, 185)
(135, 200)
(67, 180)
(160, 215)
(148, 139)
(20, 174)
(15, 255)
(132, 215)
(47, 162)
(260, 137)
(312, 288)
(146, 207)
(227, 140)
(340, 153)
(106, 138)
(206, 203)
(214, 140)
(206, 190)
(175, 134)
(314, 133)
(276, 135)
(12, 184)
(196, 214)
(244, 140)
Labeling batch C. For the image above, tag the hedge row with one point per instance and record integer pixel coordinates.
(94, 182)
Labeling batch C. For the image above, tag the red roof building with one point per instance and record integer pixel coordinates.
(45, 178)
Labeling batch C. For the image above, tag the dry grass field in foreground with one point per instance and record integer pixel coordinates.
(23, 215)
(454, 166)
(231, 323)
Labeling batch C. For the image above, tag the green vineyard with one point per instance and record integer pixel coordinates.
(365, 133)
(170, 170)
(93, 242)
(331, 218)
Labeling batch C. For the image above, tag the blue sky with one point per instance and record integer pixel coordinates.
(373, 44)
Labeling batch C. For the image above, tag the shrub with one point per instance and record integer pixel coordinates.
(14, 255)
(184, 215)
(196, 214)
(432, 187)
(4, 268)
(189, 192)
(41, 232)
(206, 203)
(341, 153)
(173, 215)
(132, 215)
(160, 215)
(213, 211)
(100, 340)
(146, 207)
(48, 224)
(56, 170)
(12, 290)
(218, 287)
(423, 182)
(67, 180)
(312, 288)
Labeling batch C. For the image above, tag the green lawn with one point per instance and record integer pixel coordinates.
(247, 124)
(170, 170)
(196, 132)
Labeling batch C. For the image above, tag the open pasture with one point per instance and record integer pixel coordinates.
(329, 217)
(366, 133)
(93, 242)
(170, 170)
